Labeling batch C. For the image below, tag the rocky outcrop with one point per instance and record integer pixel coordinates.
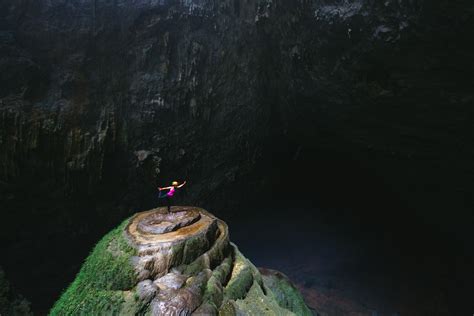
(191, 269)
(100, 100)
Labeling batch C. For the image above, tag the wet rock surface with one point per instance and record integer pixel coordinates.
(191, 270)
(158, 223)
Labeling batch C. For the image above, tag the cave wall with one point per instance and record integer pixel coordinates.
(100, 101)
(388, 84)
(100, 93)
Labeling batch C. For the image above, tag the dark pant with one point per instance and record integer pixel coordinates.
(168, 203)
(165, 196)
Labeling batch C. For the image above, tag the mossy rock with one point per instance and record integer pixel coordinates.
(101, 285)
(249, 293)
(200, 272)
(284, 292)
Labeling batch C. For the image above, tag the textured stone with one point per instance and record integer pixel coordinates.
(193, 269)
(165, 223)
(146, 290)
(171, 281)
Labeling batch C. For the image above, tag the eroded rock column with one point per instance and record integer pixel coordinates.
(176, 253)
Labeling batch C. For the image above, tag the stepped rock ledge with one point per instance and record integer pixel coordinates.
(177, 263)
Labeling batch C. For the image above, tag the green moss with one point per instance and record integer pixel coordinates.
(228, 309)
(194, 247)
(285, 294)
(106, 273)
(195, 267)
(257, 303)
(214, 290)
(250, 293)
(106, 282)
(241, 279)
(132, 305)
(222, 271)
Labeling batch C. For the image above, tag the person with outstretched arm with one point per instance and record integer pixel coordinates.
(168, 192)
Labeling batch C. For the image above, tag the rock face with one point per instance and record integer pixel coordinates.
(94, 94)
(100, 100)
(190, 269)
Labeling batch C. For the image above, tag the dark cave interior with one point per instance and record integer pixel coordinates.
(346, 228)
(341, 158)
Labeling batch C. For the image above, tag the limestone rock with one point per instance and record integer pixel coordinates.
(189, 268)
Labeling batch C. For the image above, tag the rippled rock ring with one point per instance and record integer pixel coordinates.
(161, 223)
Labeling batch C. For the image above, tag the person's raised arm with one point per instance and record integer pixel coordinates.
(181, 185)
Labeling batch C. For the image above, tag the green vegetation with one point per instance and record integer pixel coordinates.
(241, 279)
(11, 304)
(104, 278)
(214, 291)
(106, 283)
(257, 303)
(285, 293)
(249, 293)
